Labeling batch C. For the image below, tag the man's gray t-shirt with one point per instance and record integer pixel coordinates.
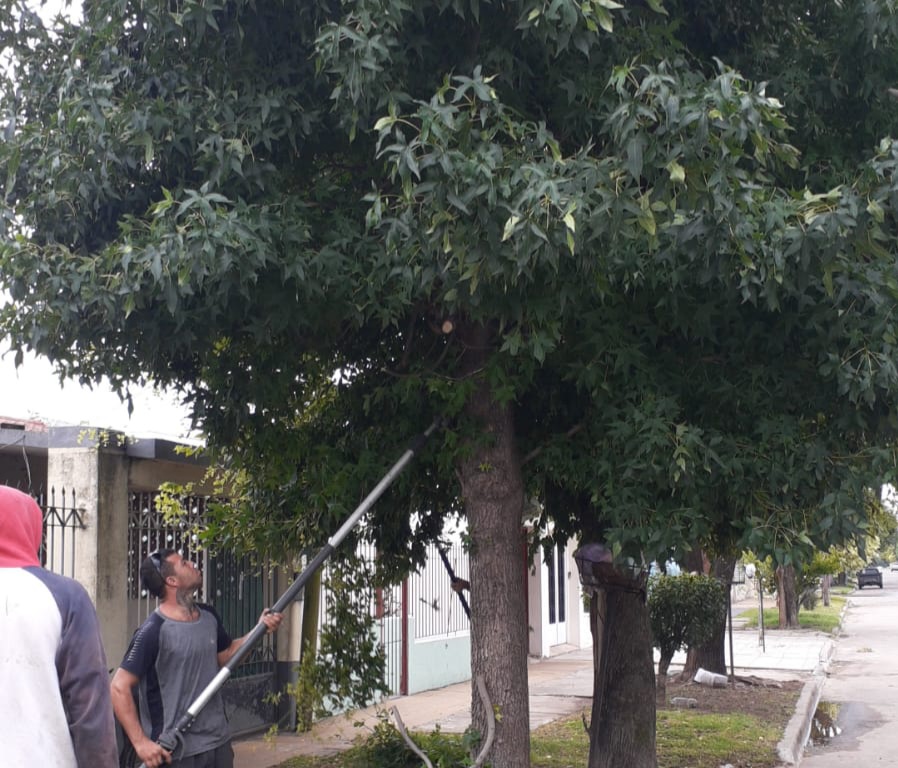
(175, 661)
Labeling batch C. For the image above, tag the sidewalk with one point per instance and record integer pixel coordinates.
(559, 686)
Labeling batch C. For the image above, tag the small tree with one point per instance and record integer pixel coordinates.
(684, 611)
(816, 575)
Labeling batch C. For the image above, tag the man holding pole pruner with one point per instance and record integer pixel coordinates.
(172, 657)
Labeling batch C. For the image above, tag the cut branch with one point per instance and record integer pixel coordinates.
(538, 450)
(490, 729)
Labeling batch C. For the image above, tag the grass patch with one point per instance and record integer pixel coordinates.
(710, 740)
(684, 739)
(821, 619)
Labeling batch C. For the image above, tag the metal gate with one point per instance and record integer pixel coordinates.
(60, 522)
(391, 612)
(57, 552)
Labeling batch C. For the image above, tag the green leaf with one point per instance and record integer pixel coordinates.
(875, 210)
(677, 172)
(148, 151)
(604, 19)
(646, 220)
(510, 225)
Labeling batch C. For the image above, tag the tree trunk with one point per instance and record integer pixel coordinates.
(493, 495)
(825, 584)
(311, 609)
(712, 654)
(787, 597)
(622, 725)
(696, 561)
(661, 679)
(308, 648)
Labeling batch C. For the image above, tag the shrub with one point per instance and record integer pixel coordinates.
(683, 611)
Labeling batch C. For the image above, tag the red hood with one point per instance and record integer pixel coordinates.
(21, 522)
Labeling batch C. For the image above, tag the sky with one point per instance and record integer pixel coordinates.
(33, 391)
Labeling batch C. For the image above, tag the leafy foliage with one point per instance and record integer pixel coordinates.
(350, 664)
(386, 748)
(684, 611)
(347, 670)
(311, 191)
(659, 236)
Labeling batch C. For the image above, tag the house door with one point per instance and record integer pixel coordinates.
(556, 580)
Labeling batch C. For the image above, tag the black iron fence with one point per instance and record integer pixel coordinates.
(62, 519)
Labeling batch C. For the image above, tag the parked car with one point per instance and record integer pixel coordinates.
(867, 577)
(894, 566)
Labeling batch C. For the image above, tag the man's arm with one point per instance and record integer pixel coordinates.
(122, 689)
(271, 620)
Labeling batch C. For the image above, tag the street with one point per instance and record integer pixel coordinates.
(862, 685)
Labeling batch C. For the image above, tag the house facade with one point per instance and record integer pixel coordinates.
(557, 611)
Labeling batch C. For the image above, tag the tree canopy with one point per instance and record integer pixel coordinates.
(640, 256)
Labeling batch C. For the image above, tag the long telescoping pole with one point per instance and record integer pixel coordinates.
(171, 739)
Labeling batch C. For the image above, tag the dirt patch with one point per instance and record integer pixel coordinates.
(768, 700)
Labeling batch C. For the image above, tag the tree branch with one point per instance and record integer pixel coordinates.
(538, 450)
(490, 728)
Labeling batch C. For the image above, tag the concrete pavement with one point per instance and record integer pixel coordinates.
(559, 686)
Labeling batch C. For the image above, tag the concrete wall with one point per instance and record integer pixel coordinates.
(98, 474)
(438, 662)
(536, 577)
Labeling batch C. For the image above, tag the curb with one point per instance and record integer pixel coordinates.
(790, 748)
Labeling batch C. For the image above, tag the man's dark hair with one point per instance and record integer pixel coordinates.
(155, 569)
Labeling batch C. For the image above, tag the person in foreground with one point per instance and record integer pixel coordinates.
(172, 657)
(54, 701)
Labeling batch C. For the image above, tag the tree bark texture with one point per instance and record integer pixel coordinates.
(712, 654)
(622, 726)
(787, 597)
(696, 561)
(825, 584)
(661, 679)
(493, 495)
(311, 609)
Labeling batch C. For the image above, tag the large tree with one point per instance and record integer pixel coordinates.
(578, 231)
